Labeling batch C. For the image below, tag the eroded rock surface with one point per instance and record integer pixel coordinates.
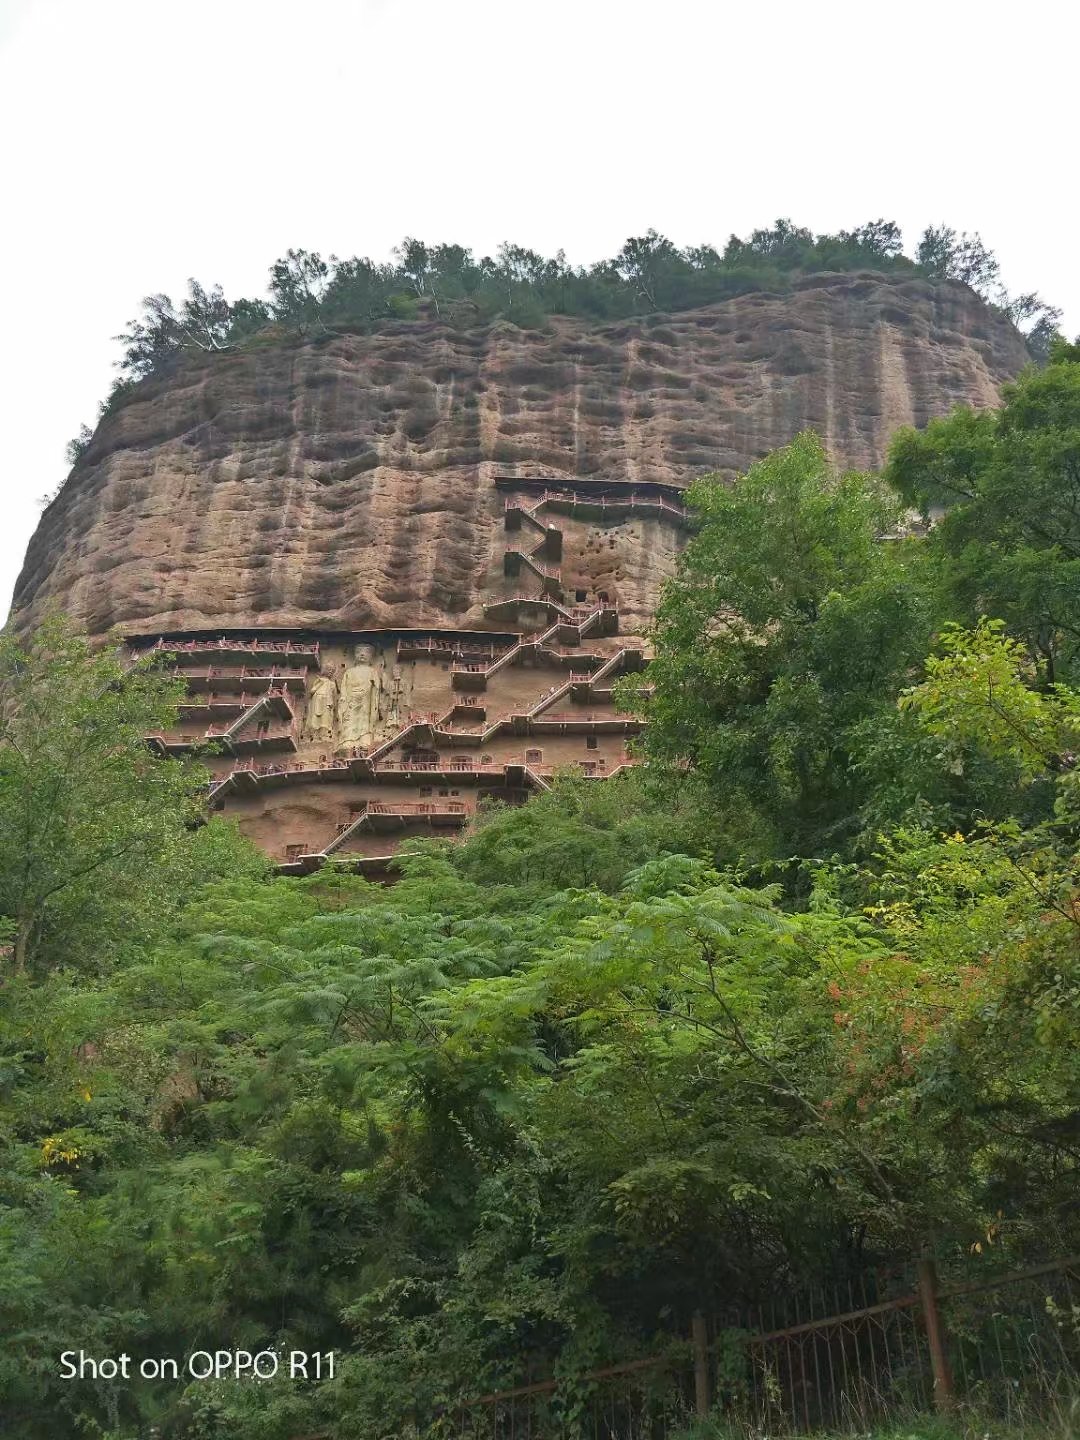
(347, 482)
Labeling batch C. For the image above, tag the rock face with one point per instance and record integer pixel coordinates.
(347, 483)
(401, 573)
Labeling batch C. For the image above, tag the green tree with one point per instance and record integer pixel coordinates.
(497, 1116)
(358, 293)
(880, 237)
(204, 323)
(1008, 481)
(642, 262)
(783, 241)
(92, 825)
(790, 624)
(414, 259)
(649, 273)
(947, 256)
(151, 339)
(298, 283)
(78, 446)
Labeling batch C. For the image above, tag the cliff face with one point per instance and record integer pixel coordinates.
(348, 482)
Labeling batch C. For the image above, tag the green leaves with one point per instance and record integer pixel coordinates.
(1008, 544)
(585, 1073)
(445, 1125)
(95, 830)
(979, 692)
(788, 626)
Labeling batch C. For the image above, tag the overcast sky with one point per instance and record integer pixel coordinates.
(148, 140)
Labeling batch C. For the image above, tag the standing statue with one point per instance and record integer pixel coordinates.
(358, 701)
(321, 707)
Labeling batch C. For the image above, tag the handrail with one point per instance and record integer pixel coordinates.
(590, 719)
(433, 767)
(416, 807)
(633, 500)
(255, 646)
(221, 729)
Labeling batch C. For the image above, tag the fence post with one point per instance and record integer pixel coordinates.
(935, 1333)
(699, 1337)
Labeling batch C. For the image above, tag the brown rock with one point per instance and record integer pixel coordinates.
(347, 482)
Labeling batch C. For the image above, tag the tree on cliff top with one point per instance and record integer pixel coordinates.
(204, 321)
(649, 274)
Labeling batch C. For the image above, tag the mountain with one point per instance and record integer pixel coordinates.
(400, 571)
(346, 482)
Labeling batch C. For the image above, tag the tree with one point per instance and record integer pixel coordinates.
(205, 319)
(77, 447)
(246, 317)
(414, 261)
(94, 829)
(788, 625)
(588, 835)
(783, 241)
(880, 237)
(530, 1106)
(649, 273)
(358, 293)
(1008, 544)
(1044, 334)
(703, 257)
(944, 255)
(642, 261)
(152, 338)
(1036, 320)
(204, 323)
(298, 282)
(517, 269)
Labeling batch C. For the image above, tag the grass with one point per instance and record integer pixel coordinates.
(964, 1426)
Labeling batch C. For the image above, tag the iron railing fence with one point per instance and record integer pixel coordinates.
(650, 1399)
(829, 1357)
(889, 1343)
(1013, 1343)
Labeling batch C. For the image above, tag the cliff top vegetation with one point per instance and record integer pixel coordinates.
(312, 295)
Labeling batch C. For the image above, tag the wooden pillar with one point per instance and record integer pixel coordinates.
(935, 1334)
(699, 1337)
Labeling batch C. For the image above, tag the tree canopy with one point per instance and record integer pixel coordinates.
(93, 830)
(796, 997)
(1008, 483)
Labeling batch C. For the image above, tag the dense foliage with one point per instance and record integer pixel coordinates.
(312, 295)
(803, 608)
(799, 994)
(1009, 542)
(93, 829)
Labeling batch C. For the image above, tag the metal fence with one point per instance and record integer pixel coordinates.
(650, 1399)
(1014, 1343)
(831, 1358)
(837, 1358)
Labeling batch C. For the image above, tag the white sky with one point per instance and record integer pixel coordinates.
(144, 141)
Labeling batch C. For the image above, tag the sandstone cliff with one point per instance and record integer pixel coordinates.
(346, 482)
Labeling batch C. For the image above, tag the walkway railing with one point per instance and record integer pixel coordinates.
(244, 672)
(573, 501)
(448, 770)
(420, 807)
(236, 647)
(243, 701)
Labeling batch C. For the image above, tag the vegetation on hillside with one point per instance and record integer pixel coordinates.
(312, 295)
(799, 995)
